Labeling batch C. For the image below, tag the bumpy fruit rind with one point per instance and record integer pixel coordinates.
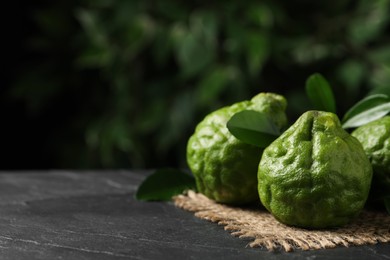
(315, 175)
(224, 167)
(375, 138)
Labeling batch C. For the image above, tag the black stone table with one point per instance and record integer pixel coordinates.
(93, 215)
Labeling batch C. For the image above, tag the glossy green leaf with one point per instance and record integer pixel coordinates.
(163, 184)
(367, 116)
(365, 104)
(253, 128)
(320, 93)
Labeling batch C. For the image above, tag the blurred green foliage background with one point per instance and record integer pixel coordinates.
(122, 84)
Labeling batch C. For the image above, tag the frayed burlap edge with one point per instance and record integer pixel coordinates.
(264, 231)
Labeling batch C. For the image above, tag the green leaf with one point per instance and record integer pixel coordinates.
(370, 22)
(257, 51)
(320, 93)
(367, 116)
(365, 104)
(352, 73)
(253, 127)
(195, 43)
(212, 85)
(261, 15)
(163, 184)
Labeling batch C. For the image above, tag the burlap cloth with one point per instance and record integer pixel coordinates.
(263, 230)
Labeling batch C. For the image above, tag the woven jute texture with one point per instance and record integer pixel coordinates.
(262, 230)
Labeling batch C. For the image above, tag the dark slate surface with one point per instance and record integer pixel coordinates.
(92, 215)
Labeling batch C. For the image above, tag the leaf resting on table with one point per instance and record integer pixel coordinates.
(163, 184)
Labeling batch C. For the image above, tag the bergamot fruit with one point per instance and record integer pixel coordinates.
(315, 175)
(375, 138)
(224, 167)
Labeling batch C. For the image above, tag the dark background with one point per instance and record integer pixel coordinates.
(121, 84)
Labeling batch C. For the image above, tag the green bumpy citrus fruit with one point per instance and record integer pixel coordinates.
(315, 175)
(375, 138)
(224, 167)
